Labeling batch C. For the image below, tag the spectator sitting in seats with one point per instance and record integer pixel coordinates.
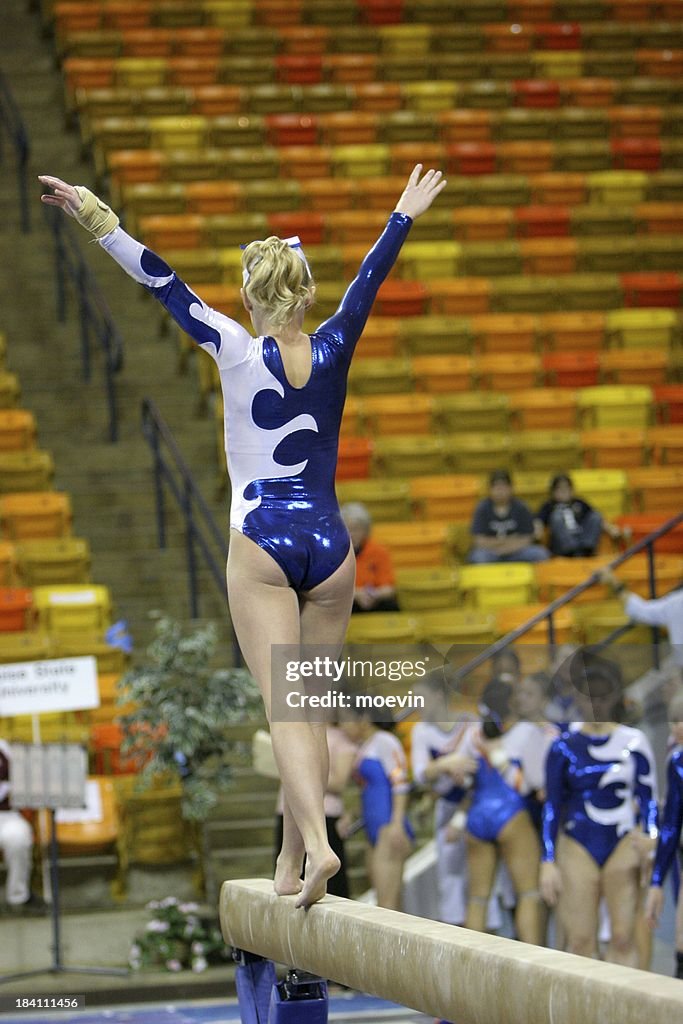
(375, 589)
(503, 526)
(16, 844)
(573, 526)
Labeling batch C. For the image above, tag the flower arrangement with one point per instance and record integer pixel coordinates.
(178, 937)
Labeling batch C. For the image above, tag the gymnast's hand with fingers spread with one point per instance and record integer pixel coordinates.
(420, 193)
(81, 204)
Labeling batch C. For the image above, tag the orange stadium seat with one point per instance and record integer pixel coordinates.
(667, 443)
(571, 369)
(508, 619)
(669, 403)
(16, 609)
(641, 525)
(421, 544)
(483, 223)
(17, 430)
(443, 373)
(390, 414)
(574, 331)
(656, 489)
(634, 366)
(501, 332)
(544, 409)
(558, 575)
(610, 447)
(35, 514)
(354, 458)
(460, 296)
(449, 497)
(506, 371)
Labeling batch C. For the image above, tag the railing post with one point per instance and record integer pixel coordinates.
(652, 583)
(84, 315)
(60, 269)
(191, 556)
(109, 382)
(551, 631)
(153, 437)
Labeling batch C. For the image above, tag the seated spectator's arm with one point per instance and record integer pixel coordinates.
(539, 530)
(515, 542)
(482, 540)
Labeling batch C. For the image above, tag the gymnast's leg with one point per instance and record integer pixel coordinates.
(482, 859)
(265, 611)
(521, 853)
(621, 887)
(580, 897)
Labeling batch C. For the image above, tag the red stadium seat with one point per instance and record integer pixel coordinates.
(292, 129)
(471, 158)
(669, 403)
(652, 289)
(571, 369)
(537, 93)
(354, 458)
(543, 221)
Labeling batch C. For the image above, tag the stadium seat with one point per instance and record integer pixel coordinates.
(638, 328)
(606, 489)
(558, 575)
(25, 471)
(546, 449)
(612, 405)
(381, 376)
(8, 564)
(386, 500)
(656, 489)
(421, 589)
(445, 497)
(27, 515)
(409, 455)
(415, 543)
(471, 411)
(543, 409)
(73, 608)
(667, 444)
(440, 374)
(634, 366)
(382, 628)
(508, 619)
(478, 452)
(652, 289)
(17, 430)
(353, 461)
(16, 609)
(507, 371)
(483, 223)
(614, 447)
(32, 645)
(500, 585)
(59, 560)
(469, 628)
(391, 414)
(669, 403)
(436, 335)
(571, 369)
(573, 331)
(78, 644)
(404, 298)
(97, 834)
(505, 332)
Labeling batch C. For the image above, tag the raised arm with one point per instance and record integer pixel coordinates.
(354, 309)
(223, 338)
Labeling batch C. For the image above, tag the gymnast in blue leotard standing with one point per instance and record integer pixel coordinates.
(670, 833)
(600, 817)
(290, 564)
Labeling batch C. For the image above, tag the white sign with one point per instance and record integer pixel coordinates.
(60, 684)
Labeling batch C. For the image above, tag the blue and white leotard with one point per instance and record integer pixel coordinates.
(592, 783)
(672, 818)
(381, 770)
(281, 441)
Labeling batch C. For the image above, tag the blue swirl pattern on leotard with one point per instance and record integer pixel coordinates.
(281, 441)
(592, 783)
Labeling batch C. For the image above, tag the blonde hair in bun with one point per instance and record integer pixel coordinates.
(276, 279)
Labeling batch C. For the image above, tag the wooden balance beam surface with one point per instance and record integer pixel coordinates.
(460, 975)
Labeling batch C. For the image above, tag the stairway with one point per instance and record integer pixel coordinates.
(111, 484)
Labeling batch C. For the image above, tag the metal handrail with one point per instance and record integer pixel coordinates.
(646, 544)
(95, 319)
(202, 532)
(13, 124)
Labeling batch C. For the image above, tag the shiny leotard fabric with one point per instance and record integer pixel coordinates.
(591, 785)
(381, 771)
(494, 801)
(672, 818)
(281, 441)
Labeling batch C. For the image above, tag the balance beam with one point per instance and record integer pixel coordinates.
(449, 972)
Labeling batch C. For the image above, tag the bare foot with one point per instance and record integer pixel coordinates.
(318, 870)
(287, 880)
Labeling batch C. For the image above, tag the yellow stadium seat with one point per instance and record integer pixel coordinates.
(442, 373)
(73, 607)
(620, 188)
(558, 575)
(436, 335)
(386, 500)
(606, 489)
(61, 560)
(461, 626)
(409, 455)
(656, 489)
(638, 328)
(8, 564)
(547, 449)
(430, 96)
(380, 376)
(392, 414)
(508, 619)
(597, 621)
(612, 405)
(422, 544)
(382, 628)
(26, 471)
(446, 497)
(425, 589)
(77, 644)
(478, 452)
(472, 410)
(361, 161)
(543, 409)
(531, 485)
(189, 131)
(32, 646)
(36, 514)
(498, 585)
(141, 72)
(10, 390)
(614, 447)
(430, 259)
